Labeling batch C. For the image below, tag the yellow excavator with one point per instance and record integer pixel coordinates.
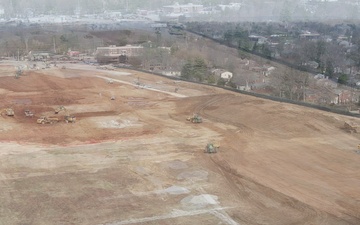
(68, 118)
(59, 109)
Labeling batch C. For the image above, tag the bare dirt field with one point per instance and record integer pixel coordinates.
(137, 160)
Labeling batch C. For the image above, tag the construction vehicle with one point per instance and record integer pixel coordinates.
(195, 119)
(59, 109)
(8, 112)
(47, 120)
(351, 127)
(18, 73)
(63, 67)
(70, 119)
(28, 113)
(211, 148)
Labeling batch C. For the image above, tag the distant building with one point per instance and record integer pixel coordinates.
(113, 50)
(39, 55)
(172, 73)
(319, 76)
(230, 6)
(117, 54)
(183, 9)
(73, 53)
(226, 75)
(310, 36)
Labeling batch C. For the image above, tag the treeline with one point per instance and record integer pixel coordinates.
(334, 50)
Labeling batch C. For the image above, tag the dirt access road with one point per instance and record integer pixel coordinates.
(136, 160)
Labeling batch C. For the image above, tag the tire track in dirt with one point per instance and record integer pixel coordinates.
(244, 187)
(214, 100)
(255, 196)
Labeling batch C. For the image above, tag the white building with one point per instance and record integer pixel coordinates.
(230, 6)
(183, 9)
(226, 75)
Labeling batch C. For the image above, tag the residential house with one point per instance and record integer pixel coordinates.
(171, 73)
(39, 55)
(309, 36)
(268, 70)
(319, 76)
(341, 96)
(259, 39)
(230, 6)
(224, 74)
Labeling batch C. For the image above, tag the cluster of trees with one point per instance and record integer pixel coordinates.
(20, 41)
(195, 70)
(336, 50)
(290, 84)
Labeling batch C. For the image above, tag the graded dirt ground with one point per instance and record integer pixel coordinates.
(137, 160)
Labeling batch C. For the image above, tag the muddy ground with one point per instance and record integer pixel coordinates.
(137, 160)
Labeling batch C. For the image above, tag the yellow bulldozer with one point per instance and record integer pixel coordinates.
(47, 120)
(351, 127)
(195, 119)
(8, 111)
(211, 148)
(70, 119)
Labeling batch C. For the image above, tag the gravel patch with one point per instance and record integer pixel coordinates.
(176, 190)
(194, 175)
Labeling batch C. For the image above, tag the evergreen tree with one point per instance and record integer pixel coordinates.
(187, 70)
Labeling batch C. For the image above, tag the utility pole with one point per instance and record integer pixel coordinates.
(18, 57)
(54, 45)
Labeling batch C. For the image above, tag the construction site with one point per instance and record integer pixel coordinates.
(81, 145)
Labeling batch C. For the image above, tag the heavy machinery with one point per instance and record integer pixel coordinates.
(47, 120)
(195, 119)
(18, 73)
(63, 67)
(70, 119)
(28, 113)
(8, 111)
(59, 109)
(351, 127)
(211, 148)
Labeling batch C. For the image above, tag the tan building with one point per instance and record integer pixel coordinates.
(113, 50)
(116, 54)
